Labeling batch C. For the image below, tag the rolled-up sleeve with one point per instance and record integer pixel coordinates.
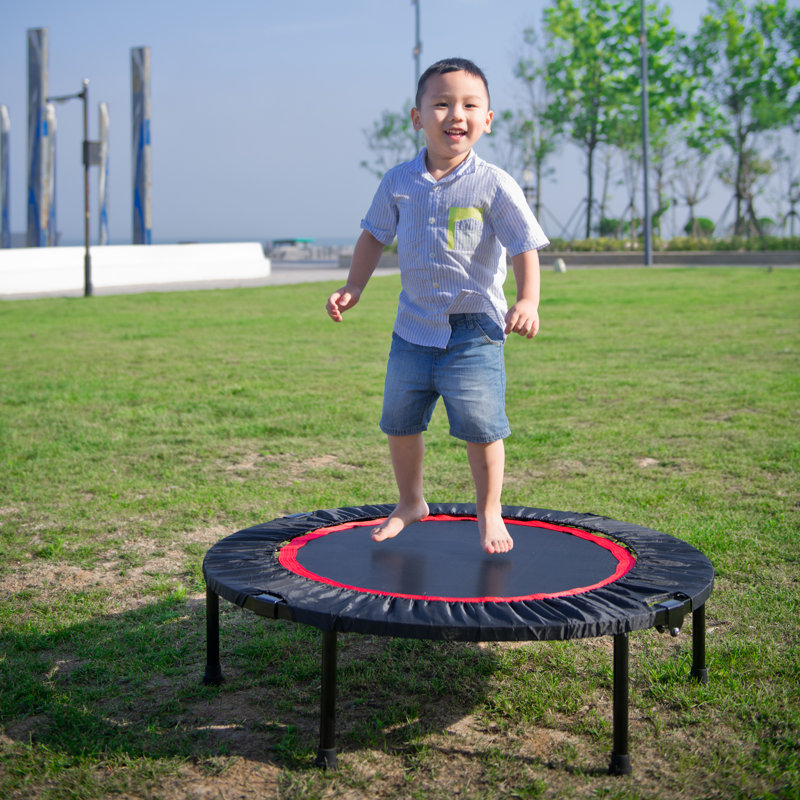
(381, 219)
(512, 220)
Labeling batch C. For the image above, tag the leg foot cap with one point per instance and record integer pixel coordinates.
(213, 675)
(326, 758)
(620, 765)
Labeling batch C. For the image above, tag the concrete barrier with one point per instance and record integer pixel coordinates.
(59, 270)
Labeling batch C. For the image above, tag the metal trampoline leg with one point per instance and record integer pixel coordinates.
(699, 671)
(213, 673)
(326, 754)
(620, 758)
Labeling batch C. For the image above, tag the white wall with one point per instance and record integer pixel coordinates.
(55, 270)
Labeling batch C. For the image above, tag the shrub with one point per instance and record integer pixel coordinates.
(610, 227)
(699, 227)
(603, 244)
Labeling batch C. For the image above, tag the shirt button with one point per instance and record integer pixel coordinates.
(435, 285)
(431, 255)
(432, 220)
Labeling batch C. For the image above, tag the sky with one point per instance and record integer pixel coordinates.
(258, 107)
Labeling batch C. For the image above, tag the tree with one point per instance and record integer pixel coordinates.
(746, 59)
(595, 76)
(583, 76)
(672, 101)
(516, 141)
(535, 130)
(788, 161)
(692, 185)
(747, 174)
(392, 140)
(662, 159)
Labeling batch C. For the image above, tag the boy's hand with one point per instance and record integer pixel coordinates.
(523, 318)
(342, 300)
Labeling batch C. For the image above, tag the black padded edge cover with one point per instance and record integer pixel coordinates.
(244, 566)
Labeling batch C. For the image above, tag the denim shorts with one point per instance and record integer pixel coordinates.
(469, 374)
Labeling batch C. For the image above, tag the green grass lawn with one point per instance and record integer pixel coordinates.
(136, 431)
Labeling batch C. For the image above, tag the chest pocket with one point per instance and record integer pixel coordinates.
(464, 228)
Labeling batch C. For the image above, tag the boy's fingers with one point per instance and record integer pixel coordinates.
(517, 323)
(339, 302)
(513, 323)
(333, 307)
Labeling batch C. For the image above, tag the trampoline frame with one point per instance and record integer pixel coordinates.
(666, 612)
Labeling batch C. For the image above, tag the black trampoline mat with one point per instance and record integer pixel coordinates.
(440, 558)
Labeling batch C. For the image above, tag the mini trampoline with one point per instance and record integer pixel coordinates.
(569, 576)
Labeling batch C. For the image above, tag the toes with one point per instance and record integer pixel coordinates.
(498, 546)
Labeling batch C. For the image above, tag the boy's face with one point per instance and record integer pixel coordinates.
(454, 113)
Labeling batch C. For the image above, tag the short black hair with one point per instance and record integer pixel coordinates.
(450, 65)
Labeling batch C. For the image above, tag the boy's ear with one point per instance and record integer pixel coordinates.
(489, 118)
(415, 119)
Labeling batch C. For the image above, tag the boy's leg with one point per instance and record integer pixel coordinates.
(487, 462)
(407, 454)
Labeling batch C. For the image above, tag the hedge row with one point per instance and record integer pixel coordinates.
(605, 244)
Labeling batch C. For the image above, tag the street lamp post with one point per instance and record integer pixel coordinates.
(417, 53)
(90, 157)
(648, 228)
(527, 184)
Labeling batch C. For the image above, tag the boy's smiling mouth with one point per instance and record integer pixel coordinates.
(455, 133)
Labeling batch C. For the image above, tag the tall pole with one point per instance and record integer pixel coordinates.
(49, 154)
(140, 117)
(102, 187)
(37, 137)
(648, 229)
(417, 54)
(5, 224)
(87, 256)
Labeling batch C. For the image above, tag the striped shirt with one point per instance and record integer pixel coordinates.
(452, 237)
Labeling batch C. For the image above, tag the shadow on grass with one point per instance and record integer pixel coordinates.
(130, 685)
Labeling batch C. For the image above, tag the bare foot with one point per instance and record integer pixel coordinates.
(495, 537)
(398, 519)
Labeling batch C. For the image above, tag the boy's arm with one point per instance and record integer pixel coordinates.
(523, 316)
(366, 255)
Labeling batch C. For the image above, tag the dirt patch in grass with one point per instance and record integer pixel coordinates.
(284, 469)
(239, 778)
(124, 575)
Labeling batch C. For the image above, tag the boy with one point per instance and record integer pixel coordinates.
(454, 216)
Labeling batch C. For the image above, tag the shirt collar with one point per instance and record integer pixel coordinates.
(468, 165)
